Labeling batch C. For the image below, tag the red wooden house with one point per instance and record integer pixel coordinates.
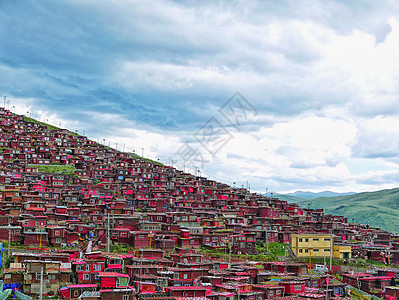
(187, 291)
(293, 287)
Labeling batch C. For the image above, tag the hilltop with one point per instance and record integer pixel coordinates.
(311, 195)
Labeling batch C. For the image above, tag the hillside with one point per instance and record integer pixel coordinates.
(311, 195)
(378, 209)
(289, 198)
(300, 196)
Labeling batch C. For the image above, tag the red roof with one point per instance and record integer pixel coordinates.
(89, 285)
(370, 278)
(112, 274)
(187, 288)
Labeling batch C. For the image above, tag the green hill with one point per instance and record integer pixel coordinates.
(378, 209)
(289, 198)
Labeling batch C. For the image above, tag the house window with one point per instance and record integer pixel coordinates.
(76, 293)
(7, 276)
(300, 240)
(125, 297)
(316, 250)
(306, 240)
(38, 276)
(86, 276)
(326, 240)
(297, 287)
(97, 267)
(122, 281)
(326, 250)
(316, 240)
(58, 240)
(300, 250)
(184, 276)
(96, 277)
(306, 250)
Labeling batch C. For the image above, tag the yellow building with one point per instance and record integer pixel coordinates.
(315, 245)
(342, 251)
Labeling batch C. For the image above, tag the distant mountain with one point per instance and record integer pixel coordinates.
(287, 198)
(378, 209)
(300, 196)
(310, 195)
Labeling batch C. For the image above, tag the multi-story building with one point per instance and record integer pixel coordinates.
(315, 245)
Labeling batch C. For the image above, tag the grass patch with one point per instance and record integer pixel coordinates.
(276, 249)
(121, 248)
(52, 127)
(147, 160)
(59, 169)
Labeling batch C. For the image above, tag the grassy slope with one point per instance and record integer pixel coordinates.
(27, 119)
(63, 169)
(378, 209)
(289, 198)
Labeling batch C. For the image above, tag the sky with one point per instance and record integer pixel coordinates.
(278, 96)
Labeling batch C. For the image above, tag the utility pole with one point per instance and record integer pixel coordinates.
(108, 232)
(230, 250)
(142, 152)
(9, 240)
(331, 250)
(41, 285)
(4, 97)
(327, 286)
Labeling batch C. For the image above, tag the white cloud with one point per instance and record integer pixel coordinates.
(323, 76)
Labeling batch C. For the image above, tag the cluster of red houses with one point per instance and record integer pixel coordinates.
(125, 199)
(155, 273)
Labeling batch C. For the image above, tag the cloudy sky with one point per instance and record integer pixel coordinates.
(317, 81)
